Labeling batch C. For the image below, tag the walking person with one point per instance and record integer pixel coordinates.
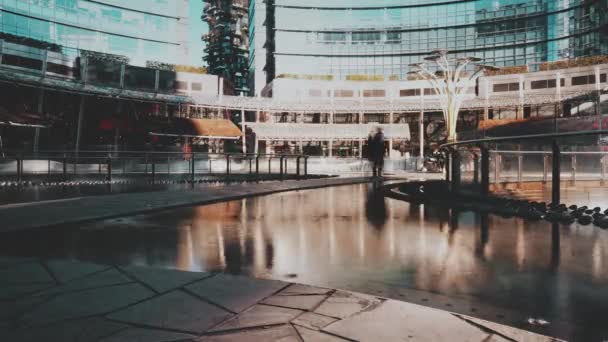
(376, 149)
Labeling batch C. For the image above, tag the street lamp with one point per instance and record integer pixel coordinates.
(450, 83)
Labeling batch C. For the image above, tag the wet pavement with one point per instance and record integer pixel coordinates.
(349, 237)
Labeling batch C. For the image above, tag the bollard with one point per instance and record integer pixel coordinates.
(109, 168)
(555, 174)
(485, 171)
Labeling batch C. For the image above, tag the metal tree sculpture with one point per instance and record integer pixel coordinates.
(450, 83)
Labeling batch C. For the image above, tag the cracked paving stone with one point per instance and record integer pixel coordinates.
(343, 304)
(510, 332)
(295, 302)
(101, 279)
(392, 321)
(299, 289)
(175, 310)
(283, 333)
(259, 316)
(317, 336)
(314, 321)
(236, 293)
(30, 272)
(85, 303)
(162, 280)
(146, 335)
(66, 270)
(83, 330)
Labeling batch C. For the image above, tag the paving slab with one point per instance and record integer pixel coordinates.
(282, 333)
(227, 290)
(295, 302)
(313, 321)
(259, 316)
(17, 290)
(109, 277)
(66, 270)
(398, 321)
(309, 335)
(29, 272)
(11, 309)
(299, 289)
(84, 330)
(163, 280)
(10, 261)
(85, 303)
(512, 333)
(146, 335)
(344, 304)
(175, 310)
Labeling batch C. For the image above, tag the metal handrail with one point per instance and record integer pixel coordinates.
(524, 137)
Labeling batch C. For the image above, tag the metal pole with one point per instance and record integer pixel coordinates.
(65, 167)
(485, 171)
(573, 168)
(305, 166)
(49, 168)
(257, 166)
(520, 163)
(153, 170)
(79, 123)
(497, 162)
(281, 162)
(421, 132)
(475, 168)
(19, 170)
(545, 167)
(455, 179)
(298, 167)
(555, 175)
(227, 166)
(109, 175)
(192, 169)
(603, 166)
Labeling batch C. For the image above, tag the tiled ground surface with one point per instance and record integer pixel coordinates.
(54, 300)
(73, 210)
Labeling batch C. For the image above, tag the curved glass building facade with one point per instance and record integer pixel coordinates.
(382, 37)
(143, 30)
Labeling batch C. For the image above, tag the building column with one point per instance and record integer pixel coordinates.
(519, 114)
(79, 123)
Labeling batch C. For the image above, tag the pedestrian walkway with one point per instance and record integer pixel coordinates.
(65, 300)
(73, 210)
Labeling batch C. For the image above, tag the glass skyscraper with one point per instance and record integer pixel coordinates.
(345, 39)
(143, 30)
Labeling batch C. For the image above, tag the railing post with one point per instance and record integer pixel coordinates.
(281, 170)
(65, 167)
(298, 167)
(545, 167)
(269, 167)
(485, 171)
(109, 168)
(475, 168)
(573, 168)
(192, 168)
(305, 166)
(455, 179)
(555, 174)
(227, 166)
(257, 166)
(497, 162)
(153, 170)
(520, 166)
(49, 168)
(19, 170)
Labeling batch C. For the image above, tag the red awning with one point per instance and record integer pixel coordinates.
(199, 128)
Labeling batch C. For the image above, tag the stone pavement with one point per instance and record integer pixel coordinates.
(74, 210)
(62, 300)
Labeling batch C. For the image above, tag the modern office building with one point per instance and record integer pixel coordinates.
(378, 39)
(142, 30)
(227, 42)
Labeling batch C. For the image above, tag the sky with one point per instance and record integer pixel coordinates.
(197, 28)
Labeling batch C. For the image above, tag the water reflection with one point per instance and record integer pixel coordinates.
(351, 237)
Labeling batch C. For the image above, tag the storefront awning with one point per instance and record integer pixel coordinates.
(197, 128)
